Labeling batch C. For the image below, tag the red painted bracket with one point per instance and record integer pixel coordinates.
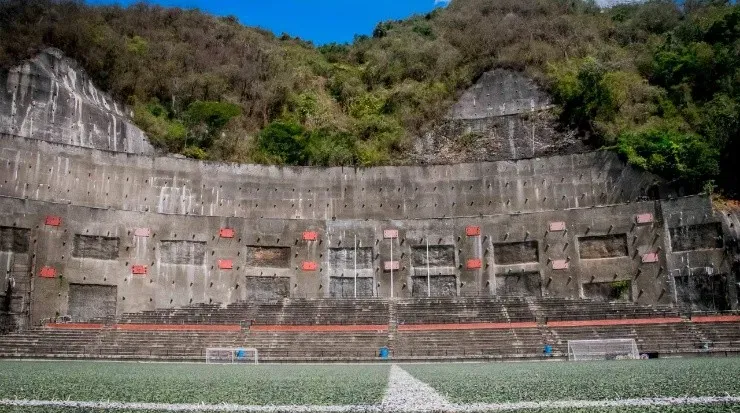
(390, 233)
(474, 264)
(310, 236)
(225, 264)
(560, 265)
(650, 258)
(139, 269)
(309, 266)
(644, 218)
(48, 272)
(226, 233)
(557, 226)
(53, 220)
(472, 231)
(143, 232)
(391, 265)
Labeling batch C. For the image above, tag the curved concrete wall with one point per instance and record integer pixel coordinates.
(149, 231)
(66, 174)
(172, 283)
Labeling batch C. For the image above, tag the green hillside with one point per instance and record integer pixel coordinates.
(657, 81)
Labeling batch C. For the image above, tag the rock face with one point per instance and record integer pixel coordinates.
(505, 115)
(51, 98)
(500, 93)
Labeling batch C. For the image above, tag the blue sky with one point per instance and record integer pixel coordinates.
(321, 21)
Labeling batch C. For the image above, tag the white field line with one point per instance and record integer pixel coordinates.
(167, 407)
(407, 394)
(377, 408)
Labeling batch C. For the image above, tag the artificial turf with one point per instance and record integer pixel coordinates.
(608, 380)
(193, 383)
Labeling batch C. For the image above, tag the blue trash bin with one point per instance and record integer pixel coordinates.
(384, 352)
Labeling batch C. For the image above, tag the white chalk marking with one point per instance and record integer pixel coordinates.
(407, 394)
(167, 407)
(381, 408)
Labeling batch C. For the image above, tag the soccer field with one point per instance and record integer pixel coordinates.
(676, 385)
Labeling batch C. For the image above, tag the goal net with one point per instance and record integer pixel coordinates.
(231, 355)
(603, 349)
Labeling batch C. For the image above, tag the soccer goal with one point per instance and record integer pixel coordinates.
(603, 349)
(231, 355)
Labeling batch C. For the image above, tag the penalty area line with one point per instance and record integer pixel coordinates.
(189, 407)
(378, 408)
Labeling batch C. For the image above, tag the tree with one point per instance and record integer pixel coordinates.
(671, 153)
(282, 143)
(206, 119)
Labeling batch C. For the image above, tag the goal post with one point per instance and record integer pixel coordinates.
(231, 355)
(603, 349)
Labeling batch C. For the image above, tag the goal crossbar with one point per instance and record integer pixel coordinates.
(231, 355)
(603, 349)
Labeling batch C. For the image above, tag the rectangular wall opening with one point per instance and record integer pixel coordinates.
(183, 252)
(15, 239)
(95, 247)
(439, 256)
(270, 257)
(526, 284)
(608, 291)
(267, 288)
(703, 292)
(344, 287)
(603, 246)
(441, 286)
(696, 237)
(344, 258)
(515, 253)
(89, 301)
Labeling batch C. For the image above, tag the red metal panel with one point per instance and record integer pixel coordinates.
(391, 265)
(560, 265)
(644, 218)
(472, 231)
(309, 266)
(310, 236)
(650, 257)
(143, 232)
(474, 264)
(53, 220)
(390, 233)
(557, 226)
(139, 269)
(225, 264)
(226, 233)
(48, 272)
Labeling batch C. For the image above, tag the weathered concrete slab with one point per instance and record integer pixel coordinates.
(51, 98)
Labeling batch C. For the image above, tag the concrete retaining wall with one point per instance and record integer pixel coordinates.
(169, 232)
(203, 279)
(66, 174)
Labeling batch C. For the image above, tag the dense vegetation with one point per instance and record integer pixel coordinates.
(657, 81)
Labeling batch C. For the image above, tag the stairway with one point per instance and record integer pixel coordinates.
(536, 310)
(700, 336)
(392, 325)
